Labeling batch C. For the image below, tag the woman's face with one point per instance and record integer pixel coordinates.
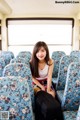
(41, 54)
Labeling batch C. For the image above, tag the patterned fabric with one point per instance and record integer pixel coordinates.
(75, 53)
(25, 54)
(56, 56)
(13, 60)
(71, 96)
(19, 60)
(60, 94)
(15, 98)
(70, 115)
(64, 63)
(78, 114)
(20, 69)
(8, 55)
(55, 80)
(2, 65)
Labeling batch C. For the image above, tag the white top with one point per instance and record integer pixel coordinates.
(43, 73)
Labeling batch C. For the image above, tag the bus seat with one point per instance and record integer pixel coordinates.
(20, 69)
(15, 101)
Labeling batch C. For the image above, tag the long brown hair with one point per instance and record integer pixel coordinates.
(34, 60)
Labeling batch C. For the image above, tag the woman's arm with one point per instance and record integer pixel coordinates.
(50, 71)
(38, 84)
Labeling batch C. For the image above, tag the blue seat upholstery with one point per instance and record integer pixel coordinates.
(72, 115)
(20, 60)
(78, 114)
(20, 69)
(13, 60)
(56, 56)
(8, 55)
(15, 99)
(25, 54)
(75, 53)
(71, 95)
(2, 65)
(64, 63)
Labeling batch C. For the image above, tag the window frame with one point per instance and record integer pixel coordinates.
(41, 18)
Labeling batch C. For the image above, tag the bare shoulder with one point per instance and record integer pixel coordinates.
(51, 61)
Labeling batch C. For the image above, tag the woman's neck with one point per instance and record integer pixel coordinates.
(42, 61)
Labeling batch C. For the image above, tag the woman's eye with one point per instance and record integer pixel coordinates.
(42, 50)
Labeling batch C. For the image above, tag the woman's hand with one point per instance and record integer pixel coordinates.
(52, 92)
(43, 88)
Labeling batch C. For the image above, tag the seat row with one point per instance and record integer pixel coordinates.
(70, 96)
(57, 55)
(67, 80)
(25, 56)
(17, 68)
(17, 89)
(7, 56)
(15, 100)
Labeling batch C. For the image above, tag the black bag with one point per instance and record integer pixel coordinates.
(47, 107)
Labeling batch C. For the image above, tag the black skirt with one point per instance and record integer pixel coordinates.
(47, 107)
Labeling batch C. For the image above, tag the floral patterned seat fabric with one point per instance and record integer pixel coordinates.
(20, 69)
(24, 54)
(19, 60)
(15, 99)
(2, 65)
(64, 63)
(75, 53)
(71, 95)
(56, 56)
(72, 115)
(8, 55)
(78, 114)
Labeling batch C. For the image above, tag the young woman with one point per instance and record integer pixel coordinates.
(42, 68)
(46, 105)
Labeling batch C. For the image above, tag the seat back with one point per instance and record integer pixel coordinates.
(20, 69)
(78, 114)
(8, 55)
(56, 56)
(2, 65)
(64, 63)
(75, 53)
(19, 60)
(25, 54)
(71, 96)
(72, 115)
(13, 60)
(15, 99)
